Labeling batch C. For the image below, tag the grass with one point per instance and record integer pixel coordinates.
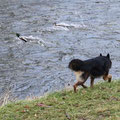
(100, 103)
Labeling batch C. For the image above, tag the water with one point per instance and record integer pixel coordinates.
(59, 32)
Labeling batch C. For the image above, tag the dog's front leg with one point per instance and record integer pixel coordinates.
(92, 82)
(107, 77)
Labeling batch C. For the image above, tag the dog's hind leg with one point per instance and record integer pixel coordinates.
(107, 77)
(77, 84)
(84, 86)
(92, 81)
(81, 80)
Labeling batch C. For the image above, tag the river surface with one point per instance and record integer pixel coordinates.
(59, 31)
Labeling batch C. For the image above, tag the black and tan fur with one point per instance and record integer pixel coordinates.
(93, 68)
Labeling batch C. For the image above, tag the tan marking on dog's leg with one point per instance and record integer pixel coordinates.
(107, 77)
(77, 84)
(80, 80)
(78, 74)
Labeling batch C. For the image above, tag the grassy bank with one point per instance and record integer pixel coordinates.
(100, 103)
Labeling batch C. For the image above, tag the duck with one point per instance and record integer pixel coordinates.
(31, 39)
(21, 37)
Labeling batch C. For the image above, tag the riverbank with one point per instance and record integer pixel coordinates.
(100, 103)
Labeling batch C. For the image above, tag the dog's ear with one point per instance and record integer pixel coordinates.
(108, 55)
(100, 54)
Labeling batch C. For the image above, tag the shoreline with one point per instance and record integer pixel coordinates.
(102, 102)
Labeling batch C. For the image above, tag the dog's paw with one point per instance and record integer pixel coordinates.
(109, 78)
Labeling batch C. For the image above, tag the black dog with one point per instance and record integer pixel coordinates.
(94, 68)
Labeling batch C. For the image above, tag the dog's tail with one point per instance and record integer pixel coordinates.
(76, 65)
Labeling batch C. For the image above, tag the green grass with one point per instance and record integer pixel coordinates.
(100, 103)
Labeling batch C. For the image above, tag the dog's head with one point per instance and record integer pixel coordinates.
(108, 57)
(110, 62)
